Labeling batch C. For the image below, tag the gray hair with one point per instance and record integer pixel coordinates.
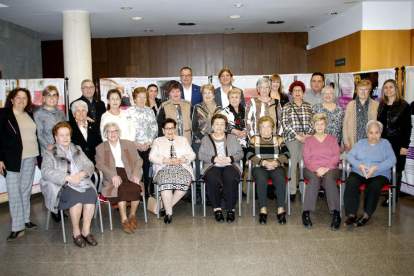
(326, 88)
(77, 104)
(109, 125)
(262, 80)
(374, 123)
(86, 80)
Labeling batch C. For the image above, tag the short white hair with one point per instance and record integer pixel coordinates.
(263, 80)
(326, 88)
(374, 123)
(109, 125)
(76, 104)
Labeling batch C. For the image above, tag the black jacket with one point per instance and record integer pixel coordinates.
(398, 121)
(11, 146)
(99, 107)
(94, 139)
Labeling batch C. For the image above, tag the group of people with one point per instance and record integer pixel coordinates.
(208, 124)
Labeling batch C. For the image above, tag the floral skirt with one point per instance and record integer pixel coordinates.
(173, 178)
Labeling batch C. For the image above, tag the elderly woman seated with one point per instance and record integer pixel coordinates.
(268, 152)
(321, 154)
(172, 156)
(372, 159)
(121, 165)
(221, 154)
(66, 183)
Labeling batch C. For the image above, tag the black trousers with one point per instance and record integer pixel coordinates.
(146, 167)
(261, 176)
(229, 177)
(372, 193)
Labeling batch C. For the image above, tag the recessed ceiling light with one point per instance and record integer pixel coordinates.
(350, 2)
(136, 18)
(310, 26)
(275, 22)
(229, 29)
(126, 8)
(332, 13)
(148, 31)
(234, 16)
(238, 5)
(186, 24)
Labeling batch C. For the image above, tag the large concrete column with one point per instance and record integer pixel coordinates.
(77, 50)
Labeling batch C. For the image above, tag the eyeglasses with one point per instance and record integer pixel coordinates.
(114, 99)
(52, 95)
(266, 126)
(88, 87)
(208, 93)
(186, 76)
(264, 87)
(169, 129)
(297, 90)
(112, 131)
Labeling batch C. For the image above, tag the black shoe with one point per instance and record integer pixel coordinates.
(244, 194)
(56, 218)
(230, 216)
(292, 198)
(168, 219)
(336, 222)
(14, 235)
(263, 218)
(385, 203)
(361, 221)
(321, 194)
(349, 221)
(271, 196)
(306, 220)
(219, 216)
(162, 212)
(281, 218)
(30, 225)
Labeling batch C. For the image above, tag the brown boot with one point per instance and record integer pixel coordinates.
(127, 227)
(134, 223)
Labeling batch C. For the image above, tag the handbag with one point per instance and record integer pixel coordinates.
(152, 204)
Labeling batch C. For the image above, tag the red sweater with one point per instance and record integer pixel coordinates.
(317, 154)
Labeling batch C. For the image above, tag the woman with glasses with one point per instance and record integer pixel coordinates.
(203, 112)
(46, 117)
(261, 106)
(116, 115)
(172, 156)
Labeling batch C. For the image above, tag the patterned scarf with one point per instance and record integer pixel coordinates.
(361, 121)
(180, 121)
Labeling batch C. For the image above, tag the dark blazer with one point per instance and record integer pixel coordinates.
(94, 139)
(218, 97)
(195, 96)
(99, 109)
(11, 146)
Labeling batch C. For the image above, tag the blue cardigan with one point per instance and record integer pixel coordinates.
(380, 155)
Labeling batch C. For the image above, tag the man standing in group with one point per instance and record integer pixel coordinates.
(96, 107)
(191, 92)
(314, 96)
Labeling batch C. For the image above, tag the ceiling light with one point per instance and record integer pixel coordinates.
(350, 2)
(234, 16)
(186, 24)
(126, 8)
(229, 29)
(310, 26)
(238, 5)
(275, 22)
(148, 31)
(332, 13)
(136, 18)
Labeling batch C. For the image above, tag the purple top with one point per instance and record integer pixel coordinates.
(321, 154)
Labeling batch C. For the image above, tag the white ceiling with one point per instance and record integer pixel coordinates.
(162, 16)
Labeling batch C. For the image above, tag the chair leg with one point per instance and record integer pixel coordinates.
(110, 215)
(145, 209)
(340, 200)
(204, 199)
(100, 215)
(303, 194)
(63, 226)
(192, 198)
(48, 220)
(96, 203)
(158, 203)
(254, 199)
(287, 197)
(389, 207)
(248, 192)
(394, 199)
(240, 196)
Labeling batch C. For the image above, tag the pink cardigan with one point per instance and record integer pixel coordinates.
(325, 154)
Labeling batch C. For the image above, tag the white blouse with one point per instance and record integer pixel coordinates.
(125, 123)
(116, 152)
